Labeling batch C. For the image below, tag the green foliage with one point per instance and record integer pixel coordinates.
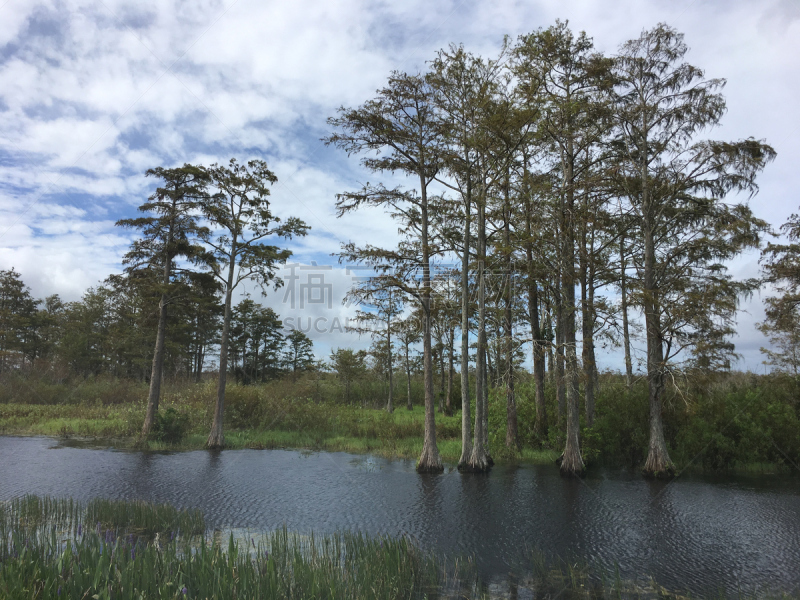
(350, 366)
(716, 423)
(170, 426)
(731, 425)
(621, 428)
(17, 320)
(781, 264)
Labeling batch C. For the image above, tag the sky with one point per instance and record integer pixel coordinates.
(94, 93)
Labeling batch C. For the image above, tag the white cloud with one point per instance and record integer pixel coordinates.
(113, 88)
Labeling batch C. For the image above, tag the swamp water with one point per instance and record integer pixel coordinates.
(698, 534)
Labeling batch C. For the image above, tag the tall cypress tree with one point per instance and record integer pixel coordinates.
(168, 232)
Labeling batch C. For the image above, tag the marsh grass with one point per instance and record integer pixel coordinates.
(144, 518)
(53, 549)
(714, 422)
(32, 513)
(49, 548)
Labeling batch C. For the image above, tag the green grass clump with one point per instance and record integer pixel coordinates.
(144, 518)
(48, 549)
(32, 513)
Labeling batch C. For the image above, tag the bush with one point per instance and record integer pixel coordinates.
(621, 427)
(170, 426)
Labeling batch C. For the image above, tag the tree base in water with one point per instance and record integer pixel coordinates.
(658, 464)
(667, 472)
(430, 461)
(571, 468)
(429, 468)
(215, 442)
(478, 462)
(469, 467)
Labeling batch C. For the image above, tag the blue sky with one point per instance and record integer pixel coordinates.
(94, 93)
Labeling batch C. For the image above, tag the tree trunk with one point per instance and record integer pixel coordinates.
(658, 463)
(479, 459)
(466, 425)
(626, 337)
(551, 358)
(587, 345)
(216, 439)
(512, 437)
(485, 405)
(429, 460)
(409, 406)
(390, 403)
(571, 461)
(540, 426)
(490, 374)
(158, 357)
(156, 370)
(559, 372)
(450, 371)
(441, 377)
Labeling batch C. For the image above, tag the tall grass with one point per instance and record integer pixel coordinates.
(50, 549)
(31, 513)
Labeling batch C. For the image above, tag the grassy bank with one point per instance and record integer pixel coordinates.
(57, 548)
(734, 422)
(298, 425)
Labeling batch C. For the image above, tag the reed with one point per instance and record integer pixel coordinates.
(48, 549)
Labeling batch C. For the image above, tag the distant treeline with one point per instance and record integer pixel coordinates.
(111, 329)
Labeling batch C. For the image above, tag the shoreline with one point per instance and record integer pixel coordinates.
(281, 440)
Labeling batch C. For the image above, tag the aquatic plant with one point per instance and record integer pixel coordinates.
(49, 549)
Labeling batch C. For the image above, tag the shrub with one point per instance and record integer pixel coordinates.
(170, 426)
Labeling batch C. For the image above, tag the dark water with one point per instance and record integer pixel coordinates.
(693, 534)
